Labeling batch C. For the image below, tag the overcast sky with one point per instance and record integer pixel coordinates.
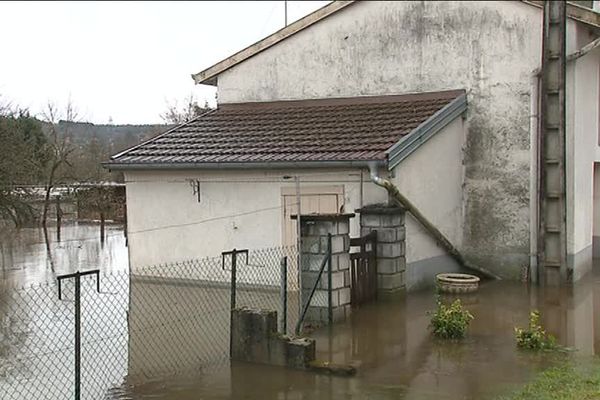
(125, 60)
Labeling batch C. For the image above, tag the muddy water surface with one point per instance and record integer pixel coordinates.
(389, 340)
(398, 358)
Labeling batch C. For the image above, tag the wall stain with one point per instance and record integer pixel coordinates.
(375, 48)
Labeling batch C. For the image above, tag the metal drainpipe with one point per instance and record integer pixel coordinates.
(435, 233)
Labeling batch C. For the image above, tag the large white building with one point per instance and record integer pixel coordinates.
(441, 96)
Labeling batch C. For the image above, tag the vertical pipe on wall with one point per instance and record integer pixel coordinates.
(534, 171)
(329, 282)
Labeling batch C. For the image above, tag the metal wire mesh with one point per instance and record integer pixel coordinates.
(178, 318)
(36, 344)
(259, 283)
(104, 334)
(144, 324)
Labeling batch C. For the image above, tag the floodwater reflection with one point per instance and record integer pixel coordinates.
(399, 359)
(27, 258)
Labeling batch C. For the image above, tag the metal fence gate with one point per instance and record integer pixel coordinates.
(363, 269)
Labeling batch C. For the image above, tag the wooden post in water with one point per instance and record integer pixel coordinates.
(58, 218)
(102, 227)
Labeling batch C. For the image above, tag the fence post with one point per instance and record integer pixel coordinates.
(283, 296)
(299, 243)
(77, 336)
(233, 277)
(329, 279)
(233, 290)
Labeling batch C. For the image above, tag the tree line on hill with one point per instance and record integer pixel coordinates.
(55, 149)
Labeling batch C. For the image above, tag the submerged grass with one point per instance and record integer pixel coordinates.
(565, 382)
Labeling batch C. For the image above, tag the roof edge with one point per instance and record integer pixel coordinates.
(116, 166)
(346, 100)
(574, 11)
(209, 75)
(123, 152)
(426, 130)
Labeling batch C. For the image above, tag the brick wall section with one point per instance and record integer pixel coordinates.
(391, 247)
(314, 232)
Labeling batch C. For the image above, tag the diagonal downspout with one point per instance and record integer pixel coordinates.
(435, 233)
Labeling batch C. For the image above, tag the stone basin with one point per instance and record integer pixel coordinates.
(457, 283)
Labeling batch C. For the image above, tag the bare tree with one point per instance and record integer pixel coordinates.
(58, 151)
(190, 109)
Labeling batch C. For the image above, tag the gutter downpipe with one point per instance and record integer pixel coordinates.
(395, 195)
(534, 181)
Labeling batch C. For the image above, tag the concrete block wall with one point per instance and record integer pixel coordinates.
(391, 247)
(254, 338)
(314, 241)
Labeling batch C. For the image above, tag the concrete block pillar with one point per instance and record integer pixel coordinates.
(314, 234)
(388, 221)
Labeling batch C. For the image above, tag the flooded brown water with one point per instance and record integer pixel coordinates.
(388, 340)
(25, 259)
(398, 359)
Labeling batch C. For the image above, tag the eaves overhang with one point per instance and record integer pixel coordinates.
(429, 128)
(116, 166)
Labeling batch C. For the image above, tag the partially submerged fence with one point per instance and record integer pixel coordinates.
(148, 323)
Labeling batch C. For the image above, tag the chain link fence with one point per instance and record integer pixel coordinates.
(145, 324)
(269, 280)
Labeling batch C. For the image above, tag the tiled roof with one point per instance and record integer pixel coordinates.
(348, 129)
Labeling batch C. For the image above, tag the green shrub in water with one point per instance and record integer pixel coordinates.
(534, 337)
(450, 322)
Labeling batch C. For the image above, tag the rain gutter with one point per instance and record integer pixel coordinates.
(434, 232)
(426, 130)
(116, 166)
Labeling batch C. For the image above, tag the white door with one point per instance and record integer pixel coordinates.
(313, 200)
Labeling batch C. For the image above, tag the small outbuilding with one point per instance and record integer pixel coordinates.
(441, 98)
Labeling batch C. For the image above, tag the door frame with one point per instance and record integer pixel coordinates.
(338, 190)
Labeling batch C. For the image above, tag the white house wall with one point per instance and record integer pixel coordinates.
(241, 209)
(432, 179)
(596, 212)
(373, 48)
(582, 151)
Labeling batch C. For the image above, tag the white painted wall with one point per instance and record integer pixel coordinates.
(374, 48)
(488, 48)
(241, 209)
(582, 151)
(596, 209)
(432, 179)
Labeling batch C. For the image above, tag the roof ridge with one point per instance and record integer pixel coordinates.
(345, 101)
